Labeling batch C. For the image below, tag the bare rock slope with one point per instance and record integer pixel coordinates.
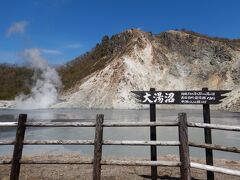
(172, 60)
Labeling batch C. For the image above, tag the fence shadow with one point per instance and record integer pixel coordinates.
(165, 177)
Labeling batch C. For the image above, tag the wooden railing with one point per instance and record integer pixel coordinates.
(183, 143)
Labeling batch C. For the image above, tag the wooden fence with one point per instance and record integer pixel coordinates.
(185, 164)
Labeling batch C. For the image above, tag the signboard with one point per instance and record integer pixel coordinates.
(204, 98)
(180, 97)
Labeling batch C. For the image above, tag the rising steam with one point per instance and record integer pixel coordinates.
(44, 93)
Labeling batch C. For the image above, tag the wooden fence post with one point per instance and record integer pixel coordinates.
(208, 137)
(98, 147)
(183, 147)
(18, 147)
(153, 137)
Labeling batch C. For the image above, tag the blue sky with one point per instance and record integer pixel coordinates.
(64, 29)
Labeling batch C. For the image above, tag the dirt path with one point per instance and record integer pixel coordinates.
(84, 172)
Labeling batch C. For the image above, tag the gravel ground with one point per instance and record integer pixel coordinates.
(84, 172)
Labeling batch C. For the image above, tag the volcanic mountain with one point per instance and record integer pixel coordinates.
(137, 60)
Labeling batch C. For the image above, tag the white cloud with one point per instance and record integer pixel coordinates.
(17, 27)
(51, 51)
(74, 46)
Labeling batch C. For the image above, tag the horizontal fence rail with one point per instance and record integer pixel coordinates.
(8, 124)
(103, 162)
(32, 161)
(141, 163)
(215, 147)
(215, 169)
(122, 124)
(106, 124)
(105, 142)
(60, 124)
(89, 124)
(58, 142)
(5, 161)
(129, 143)
(7, 142)
(214, 126)
(106, 162)
(138, 124)
(142, 143)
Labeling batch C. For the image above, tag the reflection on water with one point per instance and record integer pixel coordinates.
(163, 133)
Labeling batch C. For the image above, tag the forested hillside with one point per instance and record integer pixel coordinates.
(14, 80)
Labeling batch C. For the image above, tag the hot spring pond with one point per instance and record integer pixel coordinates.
(220, 137)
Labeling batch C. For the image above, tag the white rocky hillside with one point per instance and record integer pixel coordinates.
(173, 60)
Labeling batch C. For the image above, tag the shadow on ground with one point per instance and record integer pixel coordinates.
(165, 177)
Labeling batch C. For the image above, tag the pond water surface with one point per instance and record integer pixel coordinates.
(220, 137)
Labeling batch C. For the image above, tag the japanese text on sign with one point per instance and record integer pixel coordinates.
(180, 97)
(159, 97)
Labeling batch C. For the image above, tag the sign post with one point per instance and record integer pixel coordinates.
(208, 137)
(153, 137)
(204, 97)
